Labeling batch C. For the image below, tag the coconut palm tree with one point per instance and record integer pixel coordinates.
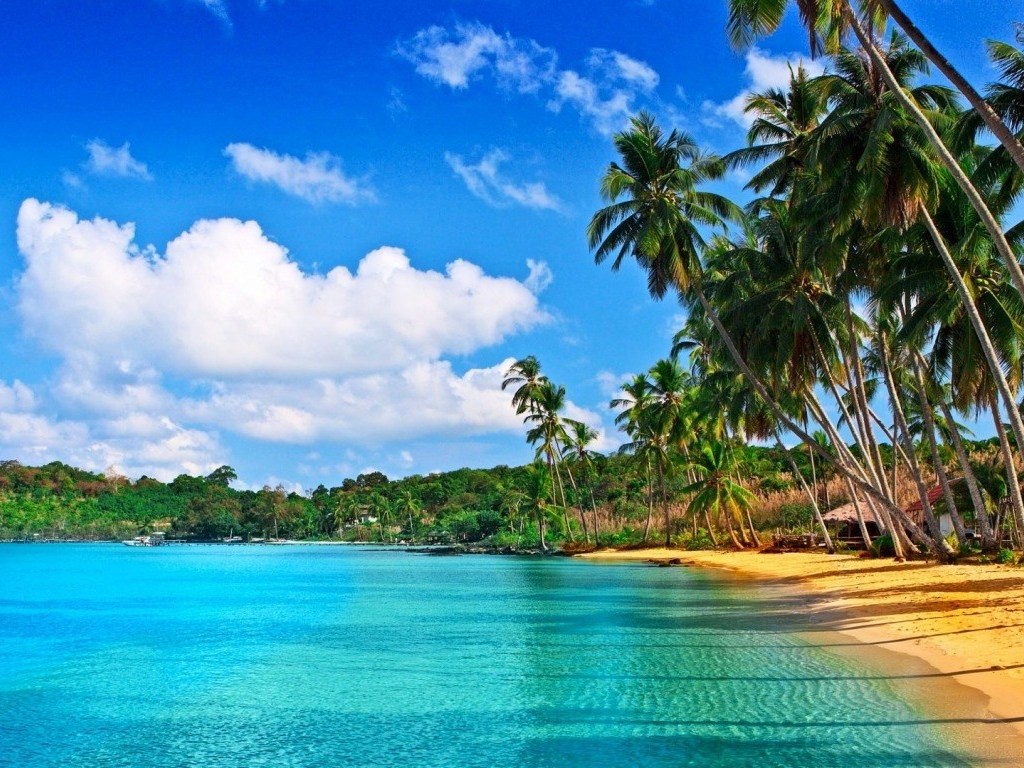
(715, 492)
(548, 433)
(525, 375)
(828, 22)
(577, 448)
(658, 223)
(539, 497)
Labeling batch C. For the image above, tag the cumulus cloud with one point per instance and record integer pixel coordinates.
(223, 332)
(105, 160)
(224, 301)
(485, 180)
(763, 71)
(318, 178)
(604, 93)
(133, 443)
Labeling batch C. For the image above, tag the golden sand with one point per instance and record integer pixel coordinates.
(965, 621)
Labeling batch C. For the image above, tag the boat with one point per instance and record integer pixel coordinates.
(144, 541)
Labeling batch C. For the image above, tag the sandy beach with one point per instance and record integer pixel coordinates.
(964, 621)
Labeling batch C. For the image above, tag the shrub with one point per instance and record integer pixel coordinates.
(701, 541)
(1006, 557)
(883, 547)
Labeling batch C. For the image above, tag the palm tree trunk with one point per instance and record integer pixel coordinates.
(945, 156)
(664, 505)
(940, 470)
(980, 513)
(791, 425)
(561, 488)
(650, 502)
(830, 547)
(1012, 483)
(579, 504)
(732, 531)
(861, 401)
(833, 433)
(992, 121)
(711, 528)
(995, 368)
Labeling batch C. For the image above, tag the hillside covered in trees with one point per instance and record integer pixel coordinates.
(501, 507)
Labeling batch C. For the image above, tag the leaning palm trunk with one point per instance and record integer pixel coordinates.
(650, 502)
(557, 474)
(858, 479)
(940, 471)
(994, 366)
(830, 547)
(711, 528)
(863, 410)
(992, 121)
(579, 503)
(945, 156)
(1012, 483)
(909, 454)
(833, 433)
(980, 513)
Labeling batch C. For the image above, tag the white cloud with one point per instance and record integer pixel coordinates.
(540, 276)
(318, 178)
(485, 180)
(604, 95)
(219, 9)
(72, 180)
(105, 160)
(456, 57)
(224, 333)
(763, 71)
(133, 443)
(610, 383)
(226, 301)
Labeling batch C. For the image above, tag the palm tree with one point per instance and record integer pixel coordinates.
(658, 223)
(830, 21)
(634, 406)
(526, 376)
(579, 438)
(715, 492)
(782, 133)
(548, 433)
(538, 496)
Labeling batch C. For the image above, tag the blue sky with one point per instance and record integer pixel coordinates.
(305, 237)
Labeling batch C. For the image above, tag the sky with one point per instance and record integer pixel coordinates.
(306, 238)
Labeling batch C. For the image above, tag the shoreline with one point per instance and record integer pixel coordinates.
(965, 622)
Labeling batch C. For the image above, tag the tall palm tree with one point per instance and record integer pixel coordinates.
(539, 496)
(577, 448)
(782, 133)
(658, 223)
(525, 375)
(548, 433)
(830, 21)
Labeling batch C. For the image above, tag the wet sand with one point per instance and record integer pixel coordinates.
(952, 635)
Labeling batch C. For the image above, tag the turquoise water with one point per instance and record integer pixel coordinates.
(325, 656)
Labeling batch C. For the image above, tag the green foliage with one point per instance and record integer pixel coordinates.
(883, 546)
(701, 541)
(1006, 557)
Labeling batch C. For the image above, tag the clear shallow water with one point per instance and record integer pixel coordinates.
(325, 656)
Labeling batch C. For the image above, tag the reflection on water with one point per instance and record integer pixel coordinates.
(323, 656)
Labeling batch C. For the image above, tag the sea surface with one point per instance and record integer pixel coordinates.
(219, 656)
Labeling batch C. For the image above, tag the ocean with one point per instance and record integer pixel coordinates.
(218, 656)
